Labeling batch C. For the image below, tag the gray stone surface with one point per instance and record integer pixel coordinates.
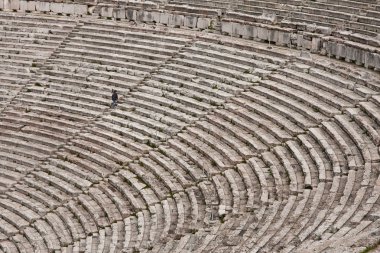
(219, 143)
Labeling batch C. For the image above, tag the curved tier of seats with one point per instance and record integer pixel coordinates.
(217, 145)
(357, 16)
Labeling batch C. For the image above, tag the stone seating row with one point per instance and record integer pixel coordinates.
(87, 208)
(314, 12)
(76, 210)
(36, 92)
(318, 137)
(206, 4)
(61, 188)
(350, 51)
(314, 209)
(45, 6)
(161, 85)
(21, 48)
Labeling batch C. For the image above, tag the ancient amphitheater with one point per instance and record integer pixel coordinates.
(243, 126)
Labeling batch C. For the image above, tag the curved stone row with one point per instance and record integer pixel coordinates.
(358, 16)
(26, 43)
(217, 145)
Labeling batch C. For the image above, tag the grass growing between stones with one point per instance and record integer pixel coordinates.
(371, 248)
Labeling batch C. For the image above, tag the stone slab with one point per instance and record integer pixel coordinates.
(43, 6)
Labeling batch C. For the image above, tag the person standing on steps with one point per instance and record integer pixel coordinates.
(114, 99)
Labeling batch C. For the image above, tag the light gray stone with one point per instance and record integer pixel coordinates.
(226, 27)
(340, 50)
(190, 21)
(255, 32)
(305, 54)
(106, 11)
(119, 13)
(56, 7)
(283, 38)
(156, 16)
(80, 9)
(262, 33)
(6, 4)
(246, 31)
(369, 60)
(164, 18)
(324, 30)
(23, 5)
(273, 35)
(203, 23)
(68, 8)
(237, 29)
(315, 45)
(31, 5)
(43, 6)
(306, 44)
(176, 20)
(145, 16)
(131, 14)
(15, 4)
(376, 61)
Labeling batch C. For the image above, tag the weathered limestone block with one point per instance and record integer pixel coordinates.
(226, 27)
(350, 54)
(6, 4)
(315, 45)
(203, 23)
(1, 4)
(156, 16)
(327, 46)
(262, 33)
(176, 20)
(119, 13)
(324, 30)
(145, 16)
(131, 14)
(23, 5)
(80, 9)
(56, 7)
(340, 51)
(306, 44)
(15, 4)
(68, 8)
(255, 32)
(237, 29)
(164, 18)
(293, 39)
(190, 21)
(247, 31)
(283, 38)
(369, 59)
(305, 54)
(106, 11)
(43, 6)
(359, 56)
(377, 61)
(303, 42)
(31, 5)
(273, 35)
